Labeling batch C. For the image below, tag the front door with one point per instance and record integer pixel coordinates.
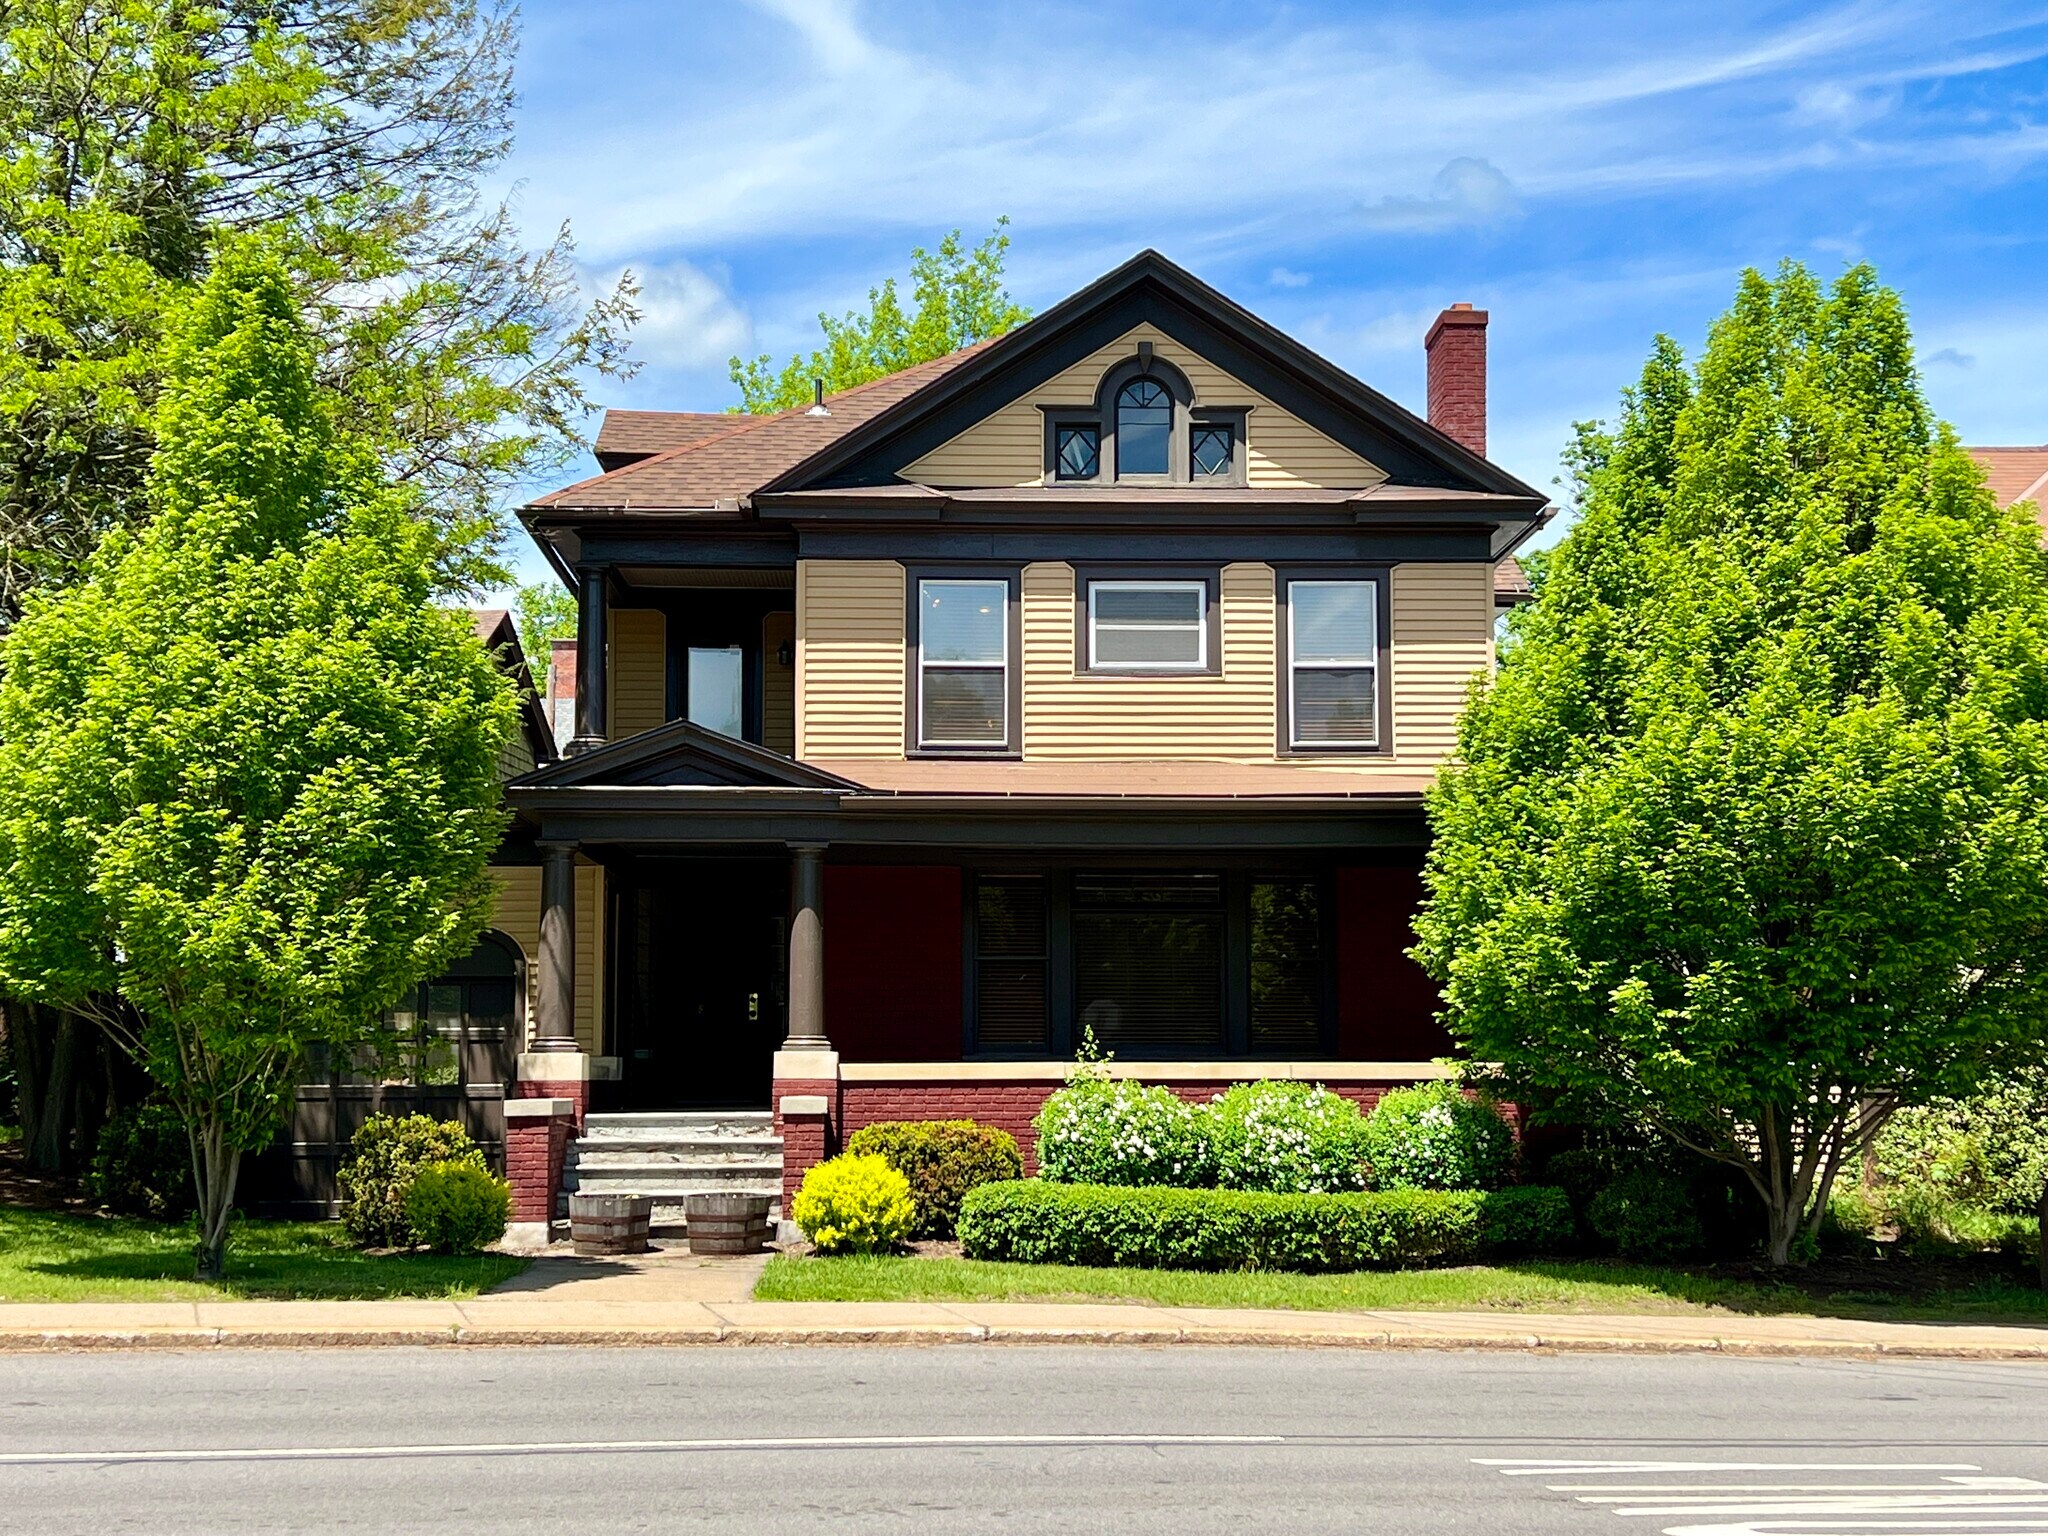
(702, 958)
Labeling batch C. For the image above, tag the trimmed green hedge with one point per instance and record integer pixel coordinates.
(1037, 1222)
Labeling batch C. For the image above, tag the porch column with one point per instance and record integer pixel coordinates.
(806, 1029)
(591, 626)
(554, 1013)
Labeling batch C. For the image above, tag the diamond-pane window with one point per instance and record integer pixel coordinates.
(1211, 447)
(1078, 452)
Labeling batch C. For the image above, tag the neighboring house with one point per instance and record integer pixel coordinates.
(1088, 679)
(2016, 474)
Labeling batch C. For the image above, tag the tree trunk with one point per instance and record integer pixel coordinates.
(215, 1165)
(46, 1045)
(2042, 1260)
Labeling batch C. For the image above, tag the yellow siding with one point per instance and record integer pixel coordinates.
(638, 675)
(517, 916)
(1442, 634)
(849, 659)
(1071, 715)
(1008, 446)
(778, 684)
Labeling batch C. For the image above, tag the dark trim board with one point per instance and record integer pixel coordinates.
(883, 822)
(1328, 544)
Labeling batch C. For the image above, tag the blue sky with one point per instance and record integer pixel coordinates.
(1592, 174)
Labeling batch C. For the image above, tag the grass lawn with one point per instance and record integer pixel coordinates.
(60, 1256)
(1532, 1286)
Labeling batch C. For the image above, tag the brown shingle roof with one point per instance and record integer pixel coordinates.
(1511, 583)
(753, 450)
(2016, 474)
(624, 436)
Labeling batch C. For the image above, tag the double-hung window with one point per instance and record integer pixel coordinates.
(1148, 626)
(963, 663)
(1333, 683)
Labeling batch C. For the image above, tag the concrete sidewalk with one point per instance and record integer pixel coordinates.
(671, 1299)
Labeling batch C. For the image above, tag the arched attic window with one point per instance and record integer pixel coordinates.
(1145, 428)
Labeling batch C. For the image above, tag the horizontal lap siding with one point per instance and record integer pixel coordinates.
(516, 914)
(1442, 635)
(1007, 447)
(1071, 715)
(778, 684)
(638, 674)
(849, 659)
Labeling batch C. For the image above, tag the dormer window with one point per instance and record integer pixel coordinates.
(1144, 428)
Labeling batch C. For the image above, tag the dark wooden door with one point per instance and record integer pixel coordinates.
(702, 981)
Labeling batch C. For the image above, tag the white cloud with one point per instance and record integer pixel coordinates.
(687, 318)
(828, 29)
(1467, 193)
(1287, 277)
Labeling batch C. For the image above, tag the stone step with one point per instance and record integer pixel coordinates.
(719, 1169)
(720, 1123)
(657, 1145)
(673, 1178)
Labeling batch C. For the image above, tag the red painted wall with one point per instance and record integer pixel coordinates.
(1386, 1005)
(892, 962)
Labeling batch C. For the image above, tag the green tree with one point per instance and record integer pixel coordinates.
(959, 297)
(248, 781)
(545, 613)
(1749, 843)
(354, 134)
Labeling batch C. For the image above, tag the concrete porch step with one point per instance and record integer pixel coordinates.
(711, 1124)
(623, 1173)
(667, 1146)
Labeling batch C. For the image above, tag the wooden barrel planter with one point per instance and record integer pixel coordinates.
(609, 1224)
(727, 1224)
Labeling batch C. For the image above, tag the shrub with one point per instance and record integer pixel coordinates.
(1037, 1222)
(1989, 1150)
(1287, 1138)
(142, 1164)
(1098, 1132)
(387, 1155)
(1646, 1213)
(942, 1159)
(458, 1207)
(1433, 1137)
(854, 1203)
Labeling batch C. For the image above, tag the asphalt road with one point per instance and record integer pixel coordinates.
(1016, 1439)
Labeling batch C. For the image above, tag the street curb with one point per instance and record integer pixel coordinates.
(755, 1336)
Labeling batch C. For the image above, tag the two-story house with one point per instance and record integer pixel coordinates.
(1086, 680)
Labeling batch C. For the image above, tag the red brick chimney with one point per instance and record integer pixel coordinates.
(1456, 347)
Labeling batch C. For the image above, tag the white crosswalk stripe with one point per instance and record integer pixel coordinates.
(1715, 1499)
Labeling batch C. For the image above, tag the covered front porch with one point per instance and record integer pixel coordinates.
(781, 938)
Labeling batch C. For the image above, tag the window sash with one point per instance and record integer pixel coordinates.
(1196, 624)
(1365, 661)
(998, 665)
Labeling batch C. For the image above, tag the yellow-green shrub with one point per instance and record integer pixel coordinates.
(854, 1204)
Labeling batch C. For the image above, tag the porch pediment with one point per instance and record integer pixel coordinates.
(680, 754)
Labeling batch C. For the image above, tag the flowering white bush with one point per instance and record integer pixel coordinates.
(1290, 1138)
(1098, 1132)
(1433, 1137)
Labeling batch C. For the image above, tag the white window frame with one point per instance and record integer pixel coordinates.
(1295, 667)
(1002, 667)
(1199, 588)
